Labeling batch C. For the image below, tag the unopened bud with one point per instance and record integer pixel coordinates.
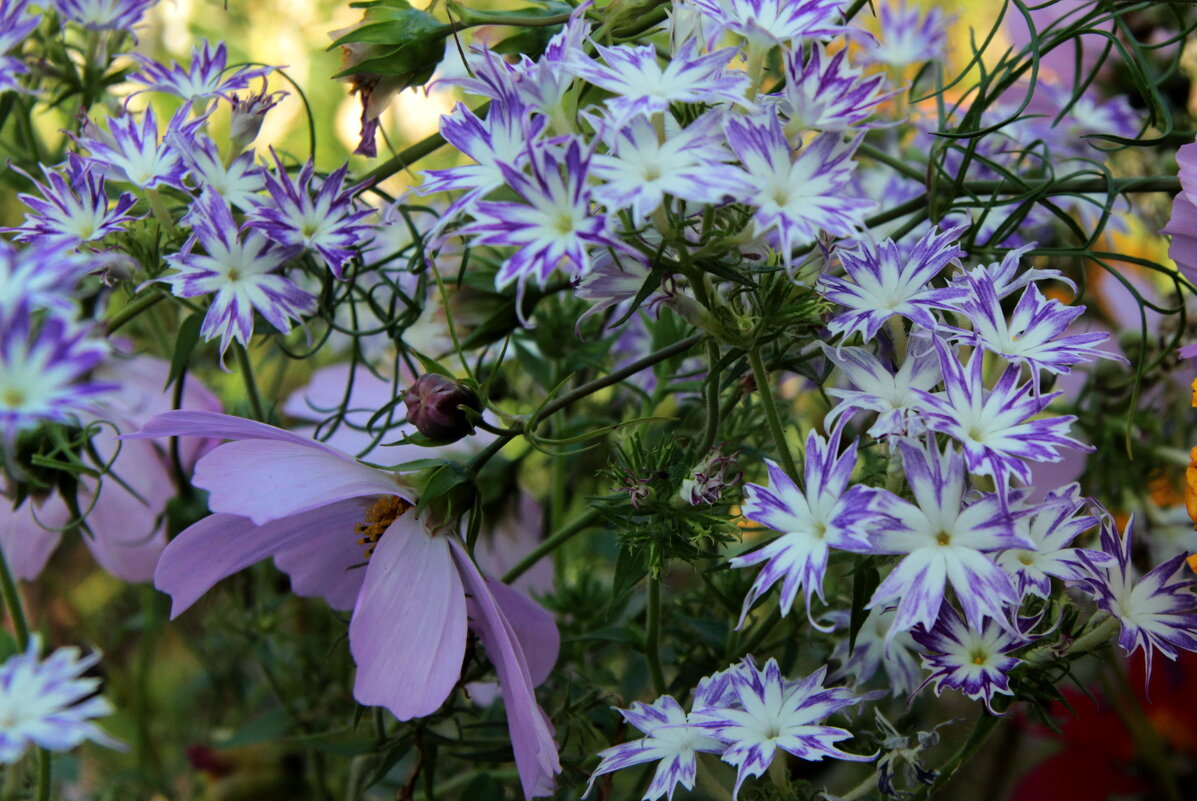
(436, 406)
(248, 113)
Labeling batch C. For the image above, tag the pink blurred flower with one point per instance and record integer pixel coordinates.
(277, 493)
(1183, 225)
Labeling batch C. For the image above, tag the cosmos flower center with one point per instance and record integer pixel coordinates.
(378, 519)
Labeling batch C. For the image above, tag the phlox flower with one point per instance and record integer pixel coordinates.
(16, 23)
(73, 208)
(813, 520)
(888, 281)
(944, 541)
(324, 220)
(825, 93)
(976, 662)
(877, 387)
(1158, 610)
(204, 79)
(875, 649)
(771, 713)
(49, 703)
(104, 15)
(44, 365)
(765, 23)
(321, 514)
(555, 226)
(795, 197)
(239, 181)
(643, 87)
(1008, 275)
(1056, 521)
(642, 167)
(909, 35)
(131, 151)
(239, 267)
(995, 426)
(671, 739)
(43, 275)
(1031, 334)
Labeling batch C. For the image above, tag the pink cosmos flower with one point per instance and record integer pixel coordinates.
(321, 514)
(125, 516)
(1183, 225)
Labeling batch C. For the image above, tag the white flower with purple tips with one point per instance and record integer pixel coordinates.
(771, 713)
(765, 23)
(1158, 611)
(16, 23)
(642, 86)
(44, 275)
(314, 215)
(822, 515)
(131, 151)
(795, 197)
(888, 281)
(875, 649)
(944, 540)
(1057, 520)
(826, 93)
(975, 661)
(239, 267)
(74, 208)
(239, 181)
(204, 79)
(995, 426)
(877, 387)
(104, 15)
(49, 703)
(670, 739)
(909, 35)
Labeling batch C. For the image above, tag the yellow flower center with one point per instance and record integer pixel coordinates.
(378, 519)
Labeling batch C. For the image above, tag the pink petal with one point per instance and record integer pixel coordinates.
(408, 630)
(531, 735)
(1183, 229)
(532, 625)
(187, 423)
(265, 480)
(325, 393)
(220, 545)
(329, 565)
(27, 545)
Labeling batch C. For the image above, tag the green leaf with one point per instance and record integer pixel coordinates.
(864, 581)
(629, 571)
(185, 342)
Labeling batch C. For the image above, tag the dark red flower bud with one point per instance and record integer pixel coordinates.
(435, 407)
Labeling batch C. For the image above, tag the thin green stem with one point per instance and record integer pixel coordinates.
(550, 544)
(859, 791)
(43, 775)
(251, 384)
(134, 308)
(161, 212)
(985, 726)
(652, 636)
(765, 390)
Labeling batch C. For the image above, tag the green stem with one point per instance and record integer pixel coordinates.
(859, 791)
(133, 308)
(709, 782)
(652, 636)
(550, 544)
(711, 427)
(43, 775)
(765, 390)
(473, 19)
(984, 727)
(251, 385)
(161, 213)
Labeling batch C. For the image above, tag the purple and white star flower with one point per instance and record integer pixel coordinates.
(974, 661)
(45, 275)
(995, 426)
(16, 23)
(501, 138)
(1158, 611)
(639, 169)
(909, 35)
(765, 23)
(827, 94)
(777, 714)
(239, 181)
(670, 739)
(813, 520)
(555, 225)
(238, 266)
(1031, 334)
(888, 280)
(876, 387)
(875, 649)
(1009, 275)
(945, 541)
(796, 197)
(72, 209)
(643, 87)
(43, 369)
(50, 703)
(131, 151)
(1057, 520)
(248, 112)
(104, 15)
(203, 80)
(325, 221)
